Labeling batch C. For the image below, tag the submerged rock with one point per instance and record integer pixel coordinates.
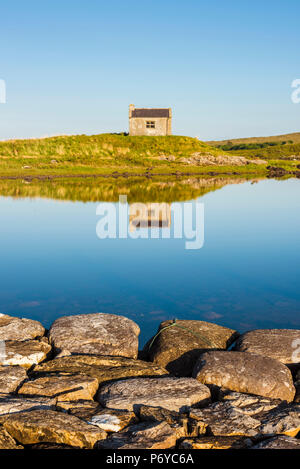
(144, 435)
(246, 373)
(63, 387)
(280, 344)
(11, 377)
(99, 333)
(12, 328)
(104, 368)
(171, 393)
(216, 442)
(47, 426)
(278, 442)
(178, 345)
(25, 354)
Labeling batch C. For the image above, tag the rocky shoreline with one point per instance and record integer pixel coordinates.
(196, 385)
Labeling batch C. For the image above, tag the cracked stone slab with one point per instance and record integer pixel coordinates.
(24, 354)
(278, 442)
(6, 441)
(12, 328)
(246, 373)
(248, 403)
(171, 393)
(11, 377)
(216, 442)
(177, 348)
(285, 421)
(221, 419)
(47, 426)
(146, 435)
(181, 423)
(63, 387)
(11, 404)
(81, 407)
(98, 333)
(280, 344)
(104, 368)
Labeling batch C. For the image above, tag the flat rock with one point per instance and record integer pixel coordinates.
(101, 367)
(12, 328)
(221, 419)
(248, 403)
(285, 421)
(246, 373)
(177, 348)
(99, 333)
(141, 436)
(25, 353)
(10, 404)
(47, 426)
(181, 423)
(112, 420)
(278, 442)
(82, 408)
(63, 387)
(11, 377)
(6, 441)
(216, 442)
(280, 344)
(170, 393)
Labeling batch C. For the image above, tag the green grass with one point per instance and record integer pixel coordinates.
(106, 154)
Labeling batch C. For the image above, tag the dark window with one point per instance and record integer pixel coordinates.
(150, 124)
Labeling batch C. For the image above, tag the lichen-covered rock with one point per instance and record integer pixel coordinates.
(10, 378)
(246, 373)
(280, 344)
(278, 442)
(12, 328)
(6, 441)
(144, 435)
(221, 419)
(11, 404)
(47, 426)
(171, 393)
(103, 368)
(177, 348)
(216, 442)
(63, 387)
(112, 420)
(285, 421)
(99, 333)
(25, 353)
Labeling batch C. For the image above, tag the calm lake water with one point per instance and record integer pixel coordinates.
(247, 275)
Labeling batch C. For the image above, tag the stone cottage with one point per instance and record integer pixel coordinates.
(150, 121)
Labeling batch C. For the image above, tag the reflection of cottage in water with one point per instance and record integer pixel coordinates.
(154, 215)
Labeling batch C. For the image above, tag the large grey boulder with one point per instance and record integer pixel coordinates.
(246, 373)
(47, 426)
(171, 393)
(99, 333)
(177, 345)
(12, 328)
(281, 344)
(11, 377)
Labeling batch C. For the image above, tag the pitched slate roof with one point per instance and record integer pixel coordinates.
(150, 113)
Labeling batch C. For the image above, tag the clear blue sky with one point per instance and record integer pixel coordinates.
(225, 67)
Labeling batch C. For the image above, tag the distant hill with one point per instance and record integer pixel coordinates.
(290, 138)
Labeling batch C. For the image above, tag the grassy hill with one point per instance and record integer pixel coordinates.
(119, 154)
(289, 138)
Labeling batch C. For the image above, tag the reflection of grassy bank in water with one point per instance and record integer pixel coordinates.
(137, 189)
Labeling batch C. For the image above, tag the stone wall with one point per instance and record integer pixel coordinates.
(137, 126)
